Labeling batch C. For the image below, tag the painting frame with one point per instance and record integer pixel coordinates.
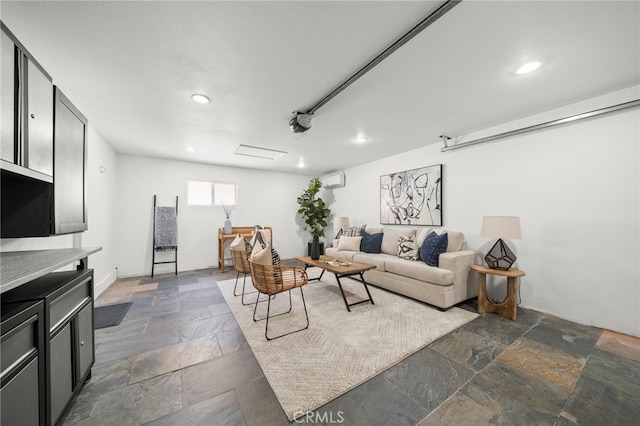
(412, 197)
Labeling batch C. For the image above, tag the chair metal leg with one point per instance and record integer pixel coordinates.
(266, 328)
(235, 287)
(273, 296)
(244, 282)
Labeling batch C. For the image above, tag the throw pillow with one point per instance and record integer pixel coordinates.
(350, 231)
(265, 256)
(407, 248)
(432, 247)
(370, 243)
(238, 244)
(349, 243)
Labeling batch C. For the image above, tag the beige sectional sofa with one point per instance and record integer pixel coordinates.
(451, 282)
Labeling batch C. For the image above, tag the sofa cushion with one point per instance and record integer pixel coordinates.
(432, 247)
(346, 255)
(349, 243)
(407, 248)
(419, 271)
(378, 259)
(370, 243)
(390, 239)
(455, 240)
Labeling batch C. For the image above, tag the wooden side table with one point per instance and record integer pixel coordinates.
(245, 231)
(509, 306)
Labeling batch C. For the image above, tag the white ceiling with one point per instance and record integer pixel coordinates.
(131, 67)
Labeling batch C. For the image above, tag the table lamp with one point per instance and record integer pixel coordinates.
(500, 256)
(340, 222)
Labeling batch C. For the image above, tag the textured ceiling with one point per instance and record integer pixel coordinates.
(131, 67)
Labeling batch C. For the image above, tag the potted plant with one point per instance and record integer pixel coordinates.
(314, 213)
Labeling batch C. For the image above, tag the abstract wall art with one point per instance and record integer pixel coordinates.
(412, 197)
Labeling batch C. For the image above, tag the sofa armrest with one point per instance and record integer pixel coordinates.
(459, 262)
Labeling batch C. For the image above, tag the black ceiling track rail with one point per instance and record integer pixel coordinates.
(433, 17)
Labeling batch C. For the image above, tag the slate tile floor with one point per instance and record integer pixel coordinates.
(179, 358)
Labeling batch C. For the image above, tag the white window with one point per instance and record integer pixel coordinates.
(203, 193)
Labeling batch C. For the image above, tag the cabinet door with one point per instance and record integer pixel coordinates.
(39, 121)
(85, 340)
(70, 213)
(61, 372)
(8, 77)
(19, 398)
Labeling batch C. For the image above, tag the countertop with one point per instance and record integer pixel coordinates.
(19, 267)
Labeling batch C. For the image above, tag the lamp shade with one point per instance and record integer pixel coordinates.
(339, 222)
(501, 227)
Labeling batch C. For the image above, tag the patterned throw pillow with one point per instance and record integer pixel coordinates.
(407, 248)
(370, 243)
(265, 256)
(350, 231)
(432, 247)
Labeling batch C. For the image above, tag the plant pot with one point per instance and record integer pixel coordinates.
(315, 248)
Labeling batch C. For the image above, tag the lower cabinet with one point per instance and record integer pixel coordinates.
(67, 299)
(22, 396)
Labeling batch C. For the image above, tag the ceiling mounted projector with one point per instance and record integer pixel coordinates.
(300, 122)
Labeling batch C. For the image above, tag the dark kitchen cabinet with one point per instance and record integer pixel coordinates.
(69, 184)
(69, 353)
(22, 393)
(27, 112)
(43, 150)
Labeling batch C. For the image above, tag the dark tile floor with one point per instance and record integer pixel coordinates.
(179, 358)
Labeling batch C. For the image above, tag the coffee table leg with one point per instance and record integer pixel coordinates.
(317, 278)
(342, 292)
(366, 287)
(344, 297)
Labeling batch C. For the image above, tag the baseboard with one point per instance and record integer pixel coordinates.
(105, 283)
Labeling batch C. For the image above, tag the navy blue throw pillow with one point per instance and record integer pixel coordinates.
(370, 243)
(432, 247)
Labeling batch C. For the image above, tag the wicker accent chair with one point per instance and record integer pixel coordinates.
(271, 280)
(241, 264)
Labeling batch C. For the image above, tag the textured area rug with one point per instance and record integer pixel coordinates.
(109, 315)
(340, 350)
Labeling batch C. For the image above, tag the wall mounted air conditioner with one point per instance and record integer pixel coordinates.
(333, 180)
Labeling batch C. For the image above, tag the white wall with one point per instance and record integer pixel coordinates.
(101, 214)
(576, 190)
(264, 198)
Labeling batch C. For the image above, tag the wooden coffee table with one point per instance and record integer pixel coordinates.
(341, 269)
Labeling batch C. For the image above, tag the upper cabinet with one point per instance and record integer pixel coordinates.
(69, 174)
(43, 150)
(27, 112)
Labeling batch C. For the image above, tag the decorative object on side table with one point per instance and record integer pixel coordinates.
(314, 213)
(228, 208)
(500, 256)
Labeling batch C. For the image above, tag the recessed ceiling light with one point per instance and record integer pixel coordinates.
(201, 99)
(528, 67)
(301, 164)
(190, 149)
(361, 139)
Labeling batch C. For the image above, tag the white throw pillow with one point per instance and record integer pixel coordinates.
(349, 243)
(238, 244)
